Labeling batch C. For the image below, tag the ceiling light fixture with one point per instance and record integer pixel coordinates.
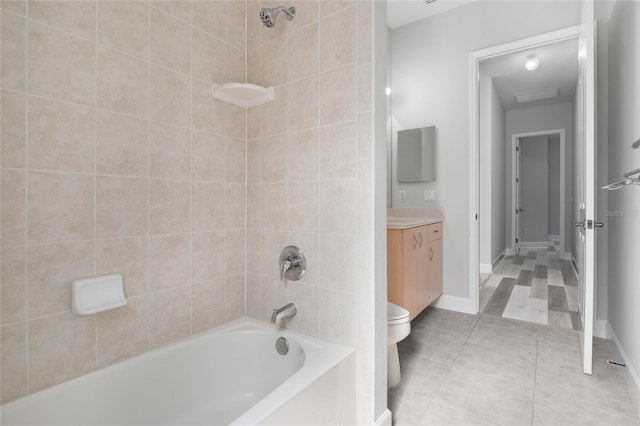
(537, 96)
(532, 62)
(429, 1)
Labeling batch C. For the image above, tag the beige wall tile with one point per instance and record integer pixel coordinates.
(169, 316)
(303, 104)
(254, 206)
(303, 206)
(18, 7)
(77, 17)
(236, 163)
(274, 295)
(124, 25)
(14, 284)
(169, 152)
(61, 66)
(60, 207)
(275, 202)
(236, 25)
(61, 348)
(236, 203)
(332, 249)
(169, 206)
(331, 7)
(235, 239)
(208, 113)
(303, 52)
(306, 13)
(236, 64)
(273, 164)
(209, 58)
(123, 332)
(12, 129)
(254, 67)
(254, 161)
(13, 207)
(50, 271)
(365, 136)
(13, 365)
(61, 136)
(338, 95)
(254, 296)
(169, 261)
(211, 17)
(274, 62)
(253, 26)
(340, 327)
(178, 8)
(365, 81)
(303, 167)
(208, 157)
(338, 207)
(235, 297)
(337, 151)
(170, 42)
(122, 83)
(338, 39)
(209, 256)
(122, 146)
(272, 243)
(208, 304)
(236, 122)
(253, 250)
(365, 35)
(307, 300)
(170, 97)
(122, 206)
(127, 257)
(13, 51)
(274, 114)
(208, 206)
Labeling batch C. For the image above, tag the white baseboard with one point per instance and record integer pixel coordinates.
(630, 374)
(553, 237)
(534, 245)
(455, 303)
(384, 419)
(486, 268)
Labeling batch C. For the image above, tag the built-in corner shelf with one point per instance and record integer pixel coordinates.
(244, 95)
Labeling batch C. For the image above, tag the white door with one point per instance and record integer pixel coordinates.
(586, 224)
(519, 209)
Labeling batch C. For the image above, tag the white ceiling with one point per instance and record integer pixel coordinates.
(558, 69)
(403, 12)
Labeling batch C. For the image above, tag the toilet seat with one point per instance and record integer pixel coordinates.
(396, 314)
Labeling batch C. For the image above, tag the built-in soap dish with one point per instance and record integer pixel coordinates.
(97, 294)
(244, 95)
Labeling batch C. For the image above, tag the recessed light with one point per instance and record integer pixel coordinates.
(388, 91)
(532, 62)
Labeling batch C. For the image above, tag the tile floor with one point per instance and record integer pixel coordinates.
(460, 369)
(536, 286)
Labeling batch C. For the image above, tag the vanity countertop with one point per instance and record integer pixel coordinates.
(410, 222)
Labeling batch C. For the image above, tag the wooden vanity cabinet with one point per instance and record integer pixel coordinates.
(414, 266)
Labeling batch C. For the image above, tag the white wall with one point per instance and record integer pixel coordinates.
(540, 118)
(553, 164)
(534, 188)
(430, 64)
(498, 177)
(624, 128)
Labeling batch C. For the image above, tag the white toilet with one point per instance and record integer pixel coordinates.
(398, 327)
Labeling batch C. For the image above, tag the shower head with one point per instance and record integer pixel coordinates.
(269, 15)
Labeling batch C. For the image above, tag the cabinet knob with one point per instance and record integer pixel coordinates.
(415, 241)
(421, 240)
(432, 254)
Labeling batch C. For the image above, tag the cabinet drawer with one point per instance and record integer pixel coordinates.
(435, 231)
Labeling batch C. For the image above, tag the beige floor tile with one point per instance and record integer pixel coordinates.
(441, 415)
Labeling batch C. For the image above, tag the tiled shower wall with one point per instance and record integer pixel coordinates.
(310, 174)
(116, 159)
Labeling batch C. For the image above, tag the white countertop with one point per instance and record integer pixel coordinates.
(410, 222)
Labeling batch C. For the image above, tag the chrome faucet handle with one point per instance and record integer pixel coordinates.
(292, 263)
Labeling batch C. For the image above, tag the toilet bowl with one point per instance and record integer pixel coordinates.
(398, 327)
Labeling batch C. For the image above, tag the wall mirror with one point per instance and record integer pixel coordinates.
(416, 157)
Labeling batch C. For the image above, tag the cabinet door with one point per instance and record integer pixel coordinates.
(434, 269)
(409, 250)
(422, 268)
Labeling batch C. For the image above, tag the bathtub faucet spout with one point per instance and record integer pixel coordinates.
(287, 311)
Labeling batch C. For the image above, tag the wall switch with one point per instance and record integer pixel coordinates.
(429, 195)
(402, 195)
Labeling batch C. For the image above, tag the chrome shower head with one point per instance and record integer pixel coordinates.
(269, 15)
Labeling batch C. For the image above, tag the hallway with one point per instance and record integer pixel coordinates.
(460, 369)
(535, 286)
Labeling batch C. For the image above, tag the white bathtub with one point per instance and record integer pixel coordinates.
(229, 375)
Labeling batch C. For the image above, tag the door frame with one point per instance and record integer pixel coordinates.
(514, 206)
(475, 58)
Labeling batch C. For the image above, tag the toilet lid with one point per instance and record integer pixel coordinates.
(396, 314)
